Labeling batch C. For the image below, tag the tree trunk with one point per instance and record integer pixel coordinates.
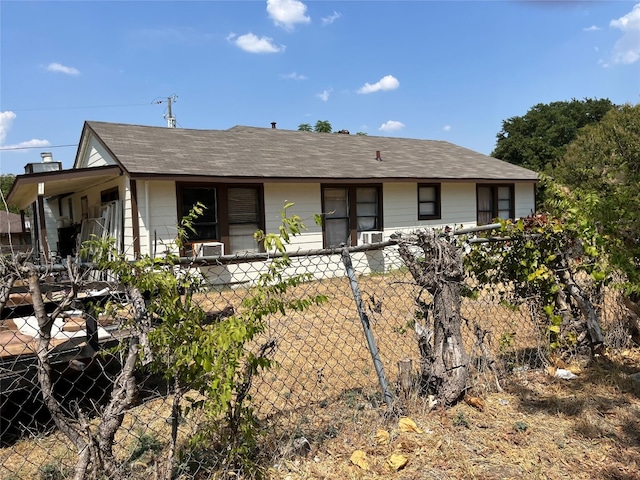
(439, 270)
(633, 320)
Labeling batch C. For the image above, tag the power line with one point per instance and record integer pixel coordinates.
(79, 107)
(38, 146)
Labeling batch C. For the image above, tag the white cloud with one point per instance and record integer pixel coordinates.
(33, 143)
(286, 13)
(6, 121)
(331, 18)
(388, 82)
(294, 76)
(59, 68)
(627, 48)
(447, 128)
(391, 126)
(592, 28)
(254, 44)
(324, 96)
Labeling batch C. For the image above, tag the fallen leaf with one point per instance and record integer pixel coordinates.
(405, 424)
(359, 458)
(475, 402)
(397, 461)
(382, 437)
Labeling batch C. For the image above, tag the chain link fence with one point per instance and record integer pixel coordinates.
(321, 356)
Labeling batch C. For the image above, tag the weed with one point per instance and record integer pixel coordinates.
(144, 443)
(460, 420)
(54, 471)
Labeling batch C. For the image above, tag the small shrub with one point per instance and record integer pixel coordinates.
(54, 471)
(145, 442)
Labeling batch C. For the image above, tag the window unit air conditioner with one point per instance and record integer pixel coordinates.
(371, 237)
(208, 249)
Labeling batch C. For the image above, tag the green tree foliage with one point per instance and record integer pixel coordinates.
(604, 163)
(322, 126)
(539, 138)
(215, 359)
(5, 185)
(537, 263)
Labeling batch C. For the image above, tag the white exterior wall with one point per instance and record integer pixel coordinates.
(95, 156)
(158, 224)
(307, 202)
(525, 199)
(400, 205)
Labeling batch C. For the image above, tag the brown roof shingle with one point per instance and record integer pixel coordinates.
(250, 152)
(10, 222)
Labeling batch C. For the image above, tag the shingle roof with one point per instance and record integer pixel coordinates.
(250, 152)
(10, 222)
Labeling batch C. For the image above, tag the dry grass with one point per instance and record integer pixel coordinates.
(540, 427)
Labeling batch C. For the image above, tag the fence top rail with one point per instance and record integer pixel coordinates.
(237, 258)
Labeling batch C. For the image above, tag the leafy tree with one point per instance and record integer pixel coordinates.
(5, 185)
(539, 138)
(604, 162)
(364, 134)
(322, 126)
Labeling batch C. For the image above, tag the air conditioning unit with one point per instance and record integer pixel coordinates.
(208, 249)
(371, 237)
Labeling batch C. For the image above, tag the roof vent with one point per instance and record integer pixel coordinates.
(273, 125)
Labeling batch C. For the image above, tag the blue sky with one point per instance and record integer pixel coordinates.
(423, 69)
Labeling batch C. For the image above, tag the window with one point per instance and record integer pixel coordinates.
(494, 201)
(205, 225)
(231, 215)
(350, 210)
(109, 195)
(429, 202)
(244, 219)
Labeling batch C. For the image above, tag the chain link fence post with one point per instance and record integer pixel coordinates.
(371, 342)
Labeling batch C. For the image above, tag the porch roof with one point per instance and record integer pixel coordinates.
(24, 190)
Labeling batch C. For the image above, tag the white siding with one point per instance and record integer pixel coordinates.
(158, 225)
(525, 199)
(95, 156)
(307, 202)
(127, 219)
(458, 207)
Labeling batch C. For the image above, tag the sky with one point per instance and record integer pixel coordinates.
(441, 70)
